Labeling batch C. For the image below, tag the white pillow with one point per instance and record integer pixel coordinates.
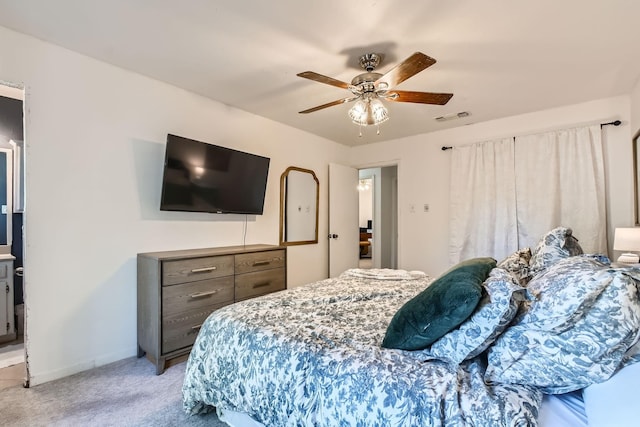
(615, 401)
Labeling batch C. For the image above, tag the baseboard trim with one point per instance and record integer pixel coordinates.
(37, 378)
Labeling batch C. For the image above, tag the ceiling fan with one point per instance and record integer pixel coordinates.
(370, 87)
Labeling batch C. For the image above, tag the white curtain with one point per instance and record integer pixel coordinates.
(506, 194)
(483, 201)
(560, 182)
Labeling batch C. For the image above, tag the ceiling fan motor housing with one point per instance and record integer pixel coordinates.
(366, 80)
(370, 61)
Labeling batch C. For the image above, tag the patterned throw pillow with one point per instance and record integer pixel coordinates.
(496, 310)
(441, 307)
(584, 318)
(557, 244)
(518, 265)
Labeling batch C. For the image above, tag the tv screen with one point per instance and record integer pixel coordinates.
(201, 177)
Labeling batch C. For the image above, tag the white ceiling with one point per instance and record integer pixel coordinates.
(498, 57)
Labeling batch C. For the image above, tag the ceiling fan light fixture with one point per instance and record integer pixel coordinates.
(368, 112)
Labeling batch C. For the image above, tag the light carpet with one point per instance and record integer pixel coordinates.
(123, 394)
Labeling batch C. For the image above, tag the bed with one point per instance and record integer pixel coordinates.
(312, 356)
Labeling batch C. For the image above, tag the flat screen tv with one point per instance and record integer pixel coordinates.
(201, 177)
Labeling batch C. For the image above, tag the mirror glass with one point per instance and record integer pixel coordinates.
(6, 198)
(299, 195)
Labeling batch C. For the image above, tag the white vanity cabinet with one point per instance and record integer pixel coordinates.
(7, 318)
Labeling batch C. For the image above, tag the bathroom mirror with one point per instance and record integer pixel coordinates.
(6, 199)
(299, 195)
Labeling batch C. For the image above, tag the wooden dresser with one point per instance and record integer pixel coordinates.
(177, 290)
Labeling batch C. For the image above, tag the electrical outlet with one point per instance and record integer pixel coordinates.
(412, 208)
(426, 207)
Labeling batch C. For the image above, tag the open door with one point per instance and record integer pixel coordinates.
(343, 219)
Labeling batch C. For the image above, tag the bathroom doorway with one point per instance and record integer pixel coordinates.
(12, 346)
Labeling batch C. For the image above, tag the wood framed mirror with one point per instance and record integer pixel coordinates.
(299, 196)
(636, 179)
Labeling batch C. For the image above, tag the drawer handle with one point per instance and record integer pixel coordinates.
(261, 285)
(196, 327)
(204, 269)
(203, 294)
(259, 263)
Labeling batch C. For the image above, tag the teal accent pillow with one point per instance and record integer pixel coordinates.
(440, 308)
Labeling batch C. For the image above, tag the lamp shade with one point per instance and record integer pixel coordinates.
(627, 239)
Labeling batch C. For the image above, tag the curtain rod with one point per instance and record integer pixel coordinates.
(614, 123)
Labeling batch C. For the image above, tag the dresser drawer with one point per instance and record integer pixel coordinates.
(259, 283)
(192, 295)
(180, 330)
(190, 270)
(258, 261)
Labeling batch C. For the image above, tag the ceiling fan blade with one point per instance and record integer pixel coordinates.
(330, 104)
(323, 79)
(409, 67)
(418, 97)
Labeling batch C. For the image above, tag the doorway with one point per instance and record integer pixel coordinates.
(12, 348)
(365, 218)
(378, 217)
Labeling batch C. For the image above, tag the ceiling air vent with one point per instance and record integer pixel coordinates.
(452, 116)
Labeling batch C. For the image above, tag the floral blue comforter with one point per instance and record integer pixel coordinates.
(311, 356)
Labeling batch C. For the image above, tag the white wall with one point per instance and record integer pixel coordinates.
(424, 173)
(95, 147)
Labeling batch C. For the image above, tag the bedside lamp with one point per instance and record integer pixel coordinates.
(627, 239)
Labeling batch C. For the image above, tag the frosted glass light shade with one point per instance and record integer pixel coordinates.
(368, 112)
(378, 112)
(358, 113)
